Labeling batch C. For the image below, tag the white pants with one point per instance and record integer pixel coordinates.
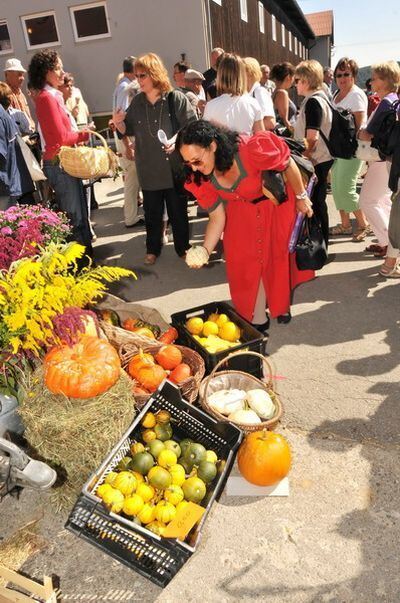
(131, 185)
(376, 204)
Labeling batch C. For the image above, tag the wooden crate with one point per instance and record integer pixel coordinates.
(45, 591)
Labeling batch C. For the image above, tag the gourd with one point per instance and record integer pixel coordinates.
(246, 417)
(227, 401)
(150, 376)
(264, 458)
(84, 370)
(260, 401)
(180, 373)
(169, 356)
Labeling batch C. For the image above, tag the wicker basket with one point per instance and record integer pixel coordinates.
(89, 163)
(118, 336)
(189, 387)
(240, 380)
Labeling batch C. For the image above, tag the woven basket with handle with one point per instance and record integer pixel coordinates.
(240, 380)
(89, 162)
(189, 387)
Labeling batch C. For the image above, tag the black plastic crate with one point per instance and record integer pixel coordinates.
(252, 340)
(155, 557)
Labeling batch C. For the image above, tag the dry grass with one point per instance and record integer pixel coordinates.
(74, 435)
(17, 548)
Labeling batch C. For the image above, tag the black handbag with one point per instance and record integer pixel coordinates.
(310, 248)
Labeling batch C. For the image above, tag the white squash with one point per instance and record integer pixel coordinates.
(226, 401)
(260, 401)
(246, 417)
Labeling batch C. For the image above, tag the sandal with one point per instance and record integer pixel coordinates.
(360, 234)
(390, 271)
(339, 230)
(377, 249)
(150, 259)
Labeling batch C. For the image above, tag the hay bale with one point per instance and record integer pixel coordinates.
(17, 548)
(74, 435)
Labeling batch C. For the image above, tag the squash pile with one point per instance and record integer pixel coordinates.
(138, 326)
(149, 371)
(216, 334)
(160, 476)
(245, 407)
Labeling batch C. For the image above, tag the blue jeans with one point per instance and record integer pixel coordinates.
(70, 199)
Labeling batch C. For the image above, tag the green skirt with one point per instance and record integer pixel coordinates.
(344, 182)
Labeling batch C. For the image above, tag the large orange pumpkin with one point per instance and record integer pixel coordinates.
(150, 376)
(169, 356)
(84, 370)
(264, 458)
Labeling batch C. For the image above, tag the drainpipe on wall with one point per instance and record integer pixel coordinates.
(207, 30)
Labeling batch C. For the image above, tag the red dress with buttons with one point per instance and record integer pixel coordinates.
(256, 236)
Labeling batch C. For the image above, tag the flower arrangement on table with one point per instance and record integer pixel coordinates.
(42, 301)
(25, 229)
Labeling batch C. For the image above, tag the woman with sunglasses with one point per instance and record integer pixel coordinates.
(346, 171)
(225, 176)
(148, 113)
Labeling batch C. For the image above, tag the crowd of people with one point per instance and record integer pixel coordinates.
(221, 131)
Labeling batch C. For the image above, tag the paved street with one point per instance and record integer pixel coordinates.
(336, 537)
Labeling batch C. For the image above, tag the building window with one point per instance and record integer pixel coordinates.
(90, 21)
(295, 45)
(40, 30)
(273, 23)
(283, 33)
(243, 10)
(261, 17)
(218, 2)
(5, 42)
(290, 41)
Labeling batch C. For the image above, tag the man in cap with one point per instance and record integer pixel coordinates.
(14, 74)
(194, 83)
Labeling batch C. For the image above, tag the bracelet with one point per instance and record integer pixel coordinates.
(302, 196)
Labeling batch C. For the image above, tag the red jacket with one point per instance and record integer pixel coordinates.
(55, 125)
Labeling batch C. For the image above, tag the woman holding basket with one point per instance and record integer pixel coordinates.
(46, 74)
(225, 176)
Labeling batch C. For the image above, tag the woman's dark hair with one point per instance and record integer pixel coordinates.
(346, 63)
(203, 133)
(281, 70)
(42, 62)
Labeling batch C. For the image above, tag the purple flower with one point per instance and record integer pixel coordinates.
(6, 230)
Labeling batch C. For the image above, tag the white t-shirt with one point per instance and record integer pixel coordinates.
(355, 100)
(264, 99)
(235, 112)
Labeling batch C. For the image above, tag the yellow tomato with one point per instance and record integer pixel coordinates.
(222, 319)
(228, 331)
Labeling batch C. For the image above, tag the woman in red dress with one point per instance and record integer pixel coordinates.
(226, 179)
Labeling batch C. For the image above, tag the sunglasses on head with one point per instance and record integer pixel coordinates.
(338, 75)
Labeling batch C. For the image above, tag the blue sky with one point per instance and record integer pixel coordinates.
(362, 31)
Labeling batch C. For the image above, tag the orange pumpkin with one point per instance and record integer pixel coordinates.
(180, 373)
(84, 370)
(169, 356)
(264, 458)
(150, 376)
(138, 361)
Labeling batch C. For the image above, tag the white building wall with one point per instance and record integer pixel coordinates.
(166, 27)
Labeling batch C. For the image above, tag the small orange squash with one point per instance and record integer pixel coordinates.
(180, 373)
(139, 360)
(150, 376)
(169, 356)
(264, 458)
(84, 370)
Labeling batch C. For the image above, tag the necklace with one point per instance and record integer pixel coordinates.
(156, 121)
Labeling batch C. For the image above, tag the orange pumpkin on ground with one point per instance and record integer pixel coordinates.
(169, 356)
(150, 376)
(139, 360)
(84, 370)
(180, 373)
(264, 458)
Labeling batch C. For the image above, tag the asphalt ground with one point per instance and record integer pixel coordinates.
(336, 537)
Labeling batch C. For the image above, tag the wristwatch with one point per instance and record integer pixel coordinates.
(302, 196)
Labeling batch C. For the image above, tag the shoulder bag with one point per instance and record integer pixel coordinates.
(310, 248)
(31, 162)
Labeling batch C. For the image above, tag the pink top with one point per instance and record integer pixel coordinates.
(55, 125)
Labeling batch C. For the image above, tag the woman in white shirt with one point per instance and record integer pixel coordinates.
(346, 171)
(261, 94)
(233, 107)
